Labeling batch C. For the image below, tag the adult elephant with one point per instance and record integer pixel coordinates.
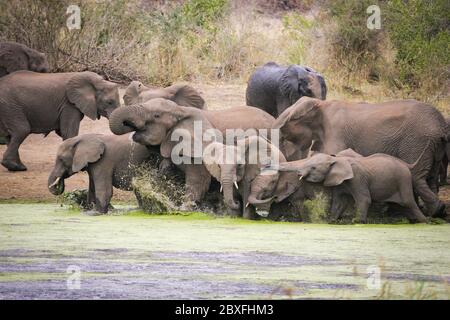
(42, 102)
(398, 128)
(181, 94)
(15, 56)
(157, 120)
(274, 88)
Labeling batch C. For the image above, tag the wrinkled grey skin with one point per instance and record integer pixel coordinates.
(274, 88)
(378, 178)
(155, 120)
(237, 174)
(402, 129)
(108, 160)
(444, 164)
(43, 102)
(181, 94)
(15, 56)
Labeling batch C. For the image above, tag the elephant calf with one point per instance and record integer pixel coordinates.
(15, 56)
(108, 159)
(32, 102)
(181, 94)
(250, 154)
(379, 178)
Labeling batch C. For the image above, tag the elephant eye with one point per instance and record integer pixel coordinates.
(156, 116)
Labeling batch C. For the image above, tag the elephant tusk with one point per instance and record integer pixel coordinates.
(248, 203)
(300, 179)
(221, 188)
(236, 185)
(55, 183)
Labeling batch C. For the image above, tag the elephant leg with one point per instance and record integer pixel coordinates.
(443, 171)
(433, 178)
(338, 205)
(197, 182)
(11, 159)
(362, 203)
(103, 190)
(250, 213)
(91, 193)
(414, 213)
(434, 206)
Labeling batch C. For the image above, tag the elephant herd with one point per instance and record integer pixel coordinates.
(392, 152)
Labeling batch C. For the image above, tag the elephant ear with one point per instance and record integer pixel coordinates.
(305, 109)
(340, 171)
(289, 84)
(13, 61)
(88, 150)
(81, 91)
(131, 95)
(185, 95)
(211, 157)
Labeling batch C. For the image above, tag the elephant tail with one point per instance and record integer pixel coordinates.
(413, 165)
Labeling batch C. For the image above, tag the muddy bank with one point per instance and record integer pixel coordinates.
(133, 255)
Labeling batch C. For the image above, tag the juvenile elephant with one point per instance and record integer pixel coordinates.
(398, 128)
(274, 88)
(238, 165)
(15, 56)
(42, 102)
(108, 159)
(157, 120)
(181, 94)
(379, 178)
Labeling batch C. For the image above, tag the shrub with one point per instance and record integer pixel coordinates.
(419, 30)
(355, 47)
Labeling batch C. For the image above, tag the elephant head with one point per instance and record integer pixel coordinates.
(156, 120)
(298, 81)
(37, 61)
(181, 94)
(240, 164)
(74, 155)
(271, 185)
(302, 123)
(92, 95)
(322, 168)
(228, 173)
(15, 56)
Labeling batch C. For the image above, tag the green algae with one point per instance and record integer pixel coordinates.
(273, 259)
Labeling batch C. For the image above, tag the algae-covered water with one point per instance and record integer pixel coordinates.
(51, 252)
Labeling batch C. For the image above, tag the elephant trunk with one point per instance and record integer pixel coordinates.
(252, 199)
(56, 184)
(228, 194)
(127, 119)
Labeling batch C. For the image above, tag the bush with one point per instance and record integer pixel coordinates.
(419, 30)
(356, 48)
(112, 39)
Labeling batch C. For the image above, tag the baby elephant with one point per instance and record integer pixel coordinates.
(379, 178)
(108, 160)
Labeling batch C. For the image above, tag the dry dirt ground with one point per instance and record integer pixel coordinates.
(38, 153)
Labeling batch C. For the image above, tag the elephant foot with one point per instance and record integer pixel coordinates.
(93, 213)
(13, 165)
(440, 211)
